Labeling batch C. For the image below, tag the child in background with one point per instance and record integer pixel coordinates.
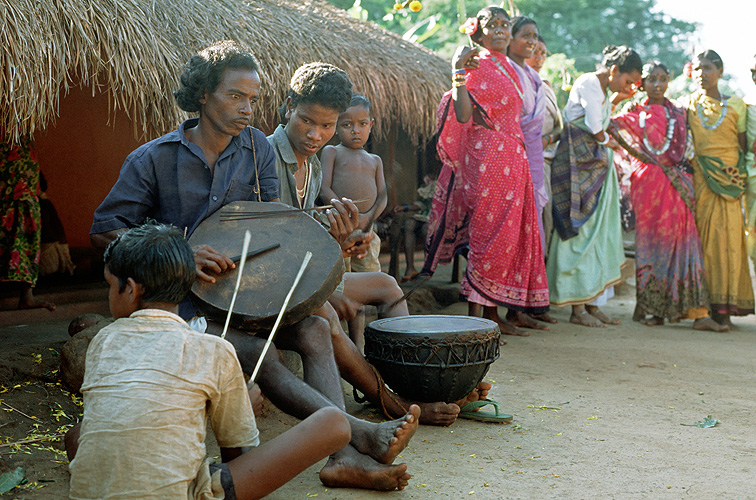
(151, 382)
(350, 171)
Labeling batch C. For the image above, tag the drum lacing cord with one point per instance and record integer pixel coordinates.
(383, 392)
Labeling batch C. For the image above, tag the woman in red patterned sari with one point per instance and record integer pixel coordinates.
(670, 276)
(484, 195)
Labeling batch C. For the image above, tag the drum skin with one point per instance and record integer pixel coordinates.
(434, 357)
(268, 277)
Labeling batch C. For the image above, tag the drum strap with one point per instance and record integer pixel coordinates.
(383, 392)
(256, 189)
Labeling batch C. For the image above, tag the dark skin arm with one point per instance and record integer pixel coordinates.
(206, 258)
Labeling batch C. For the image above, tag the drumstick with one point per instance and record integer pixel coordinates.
(245, 247)
(255, 253)
(306, 261)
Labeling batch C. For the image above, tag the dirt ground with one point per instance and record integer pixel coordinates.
(598, 414)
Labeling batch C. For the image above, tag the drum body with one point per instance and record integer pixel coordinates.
(432, 358)
(268, 277)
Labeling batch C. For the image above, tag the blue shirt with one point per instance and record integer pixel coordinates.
(169, 180)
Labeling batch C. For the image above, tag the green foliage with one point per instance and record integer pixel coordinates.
(582, 28)
(579, 29)
(561, 72)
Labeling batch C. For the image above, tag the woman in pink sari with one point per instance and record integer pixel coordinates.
(670, 276)
(484, 196)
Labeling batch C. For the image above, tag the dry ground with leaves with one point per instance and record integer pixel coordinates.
(598, 414)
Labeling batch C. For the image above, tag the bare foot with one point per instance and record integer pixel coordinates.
(708, 324)
(505, 326)
(586, 319)
(596, 313)
(34, 303)
(521, 319)
(545, 317)
(348, 468)
(409, 275)
(638, 314)
(386, 440)
(477, 394)
(654, 321)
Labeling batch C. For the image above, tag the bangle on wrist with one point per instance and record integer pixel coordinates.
(605, 141)
(459, 72)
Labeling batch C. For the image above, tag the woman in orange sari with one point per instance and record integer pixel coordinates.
(718, 125)
(484, 196)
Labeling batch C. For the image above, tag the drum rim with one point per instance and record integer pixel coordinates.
(380, 325)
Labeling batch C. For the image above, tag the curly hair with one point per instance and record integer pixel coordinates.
(320, 83)
(203, 72)
(484, 15)
(712, 57)
(625, 58)
(156, 256)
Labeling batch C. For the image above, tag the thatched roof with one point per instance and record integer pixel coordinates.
(134, 50)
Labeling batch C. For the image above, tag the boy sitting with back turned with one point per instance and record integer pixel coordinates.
(151, 382)
(350, 171)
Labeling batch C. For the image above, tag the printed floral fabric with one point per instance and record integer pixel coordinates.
(20, 216)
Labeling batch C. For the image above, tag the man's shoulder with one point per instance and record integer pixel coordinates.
(163, 144)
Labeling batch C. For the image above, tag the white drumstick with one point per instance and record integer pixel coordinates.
(245, 247)
(306, 261)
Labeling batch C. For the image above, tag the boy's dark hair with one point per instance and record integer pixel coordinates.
(484, 15)
(157, 257)
(360, 100)
(712, 57)
(203, 71)
(320, 83)
(625, 58)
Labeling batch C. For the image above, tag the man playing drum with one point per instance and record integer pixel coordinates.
(183, 177)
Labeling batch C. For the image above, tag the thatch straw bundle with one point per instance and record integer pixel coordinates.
(134, 50)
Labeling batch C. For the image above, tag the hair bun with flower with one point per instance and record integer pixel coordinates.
(470, 26)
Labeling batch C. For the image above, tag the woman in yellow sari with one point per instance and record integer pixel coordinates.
(718, 125)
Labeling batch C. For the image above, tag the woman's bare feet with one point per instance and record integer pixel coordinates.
(27, 300)
(505, 326)
(545, 317)
(708, 324)
(348, 468)
(518, 318)
(584, 318)
(594, 311)
(653, 321)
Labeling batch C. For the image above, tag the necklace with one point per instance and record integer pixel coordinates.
(506, 73)
(670, 132)
(302, 192)
(702, 119)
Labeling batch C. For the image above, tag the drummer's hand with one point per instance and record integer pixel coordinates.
(344, 218)
(357, 244)
(207, 258)
(256, 397)
(345, 307)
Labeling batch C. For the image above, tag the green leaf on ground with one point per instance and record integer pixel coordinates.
(10, 480)
(705, 423)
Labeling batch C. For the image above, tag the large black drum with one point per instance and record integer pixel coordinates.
(432, 358)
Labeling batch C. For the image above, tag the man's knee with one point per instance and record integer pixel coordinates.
(313, 334)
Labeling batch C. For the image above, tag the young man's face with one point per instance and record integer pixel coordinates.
(354, 126)
(120, 301)
(227, 110)
(309, 128)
